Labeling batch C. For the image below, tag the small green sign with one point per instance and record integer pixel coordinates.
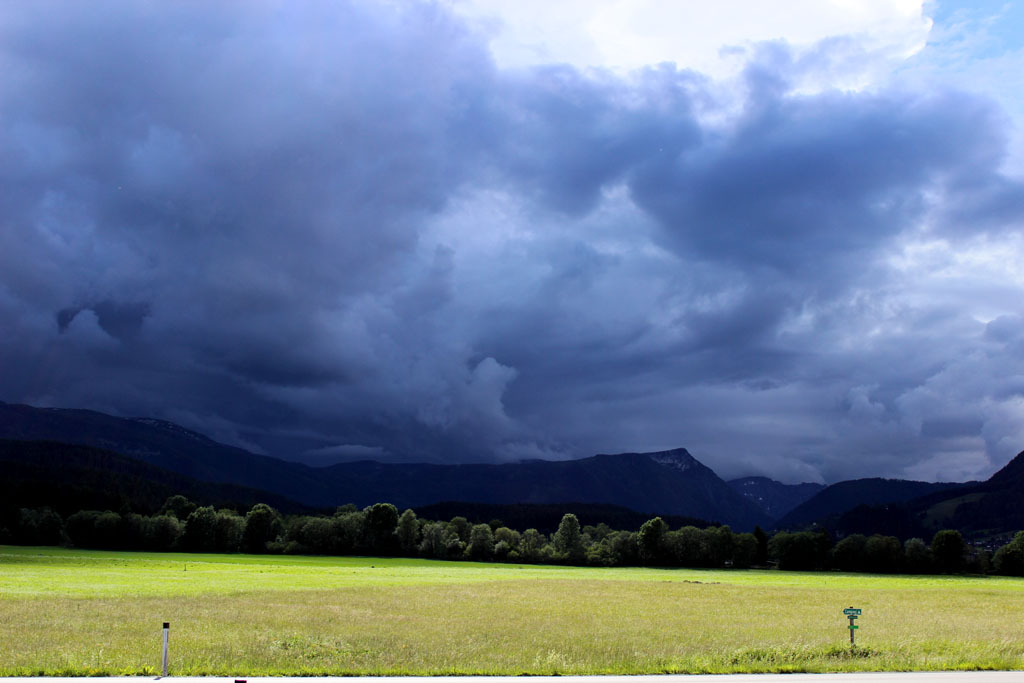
(853, 627)
(852, 611)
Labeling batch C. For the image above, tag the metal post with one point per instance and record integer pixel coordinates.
(167, 631)
(852, 613)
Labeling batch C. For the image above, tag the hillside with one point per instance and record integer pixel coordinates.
(69, 478)
(774, 498)
(843, 496)
(165, 445)
(668, 482)
(994, 507)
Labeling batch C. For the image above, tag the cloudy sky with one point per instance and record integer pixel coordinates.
(485, 230)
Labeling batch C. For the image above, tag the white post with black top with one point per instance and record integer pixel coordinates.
(167, 632)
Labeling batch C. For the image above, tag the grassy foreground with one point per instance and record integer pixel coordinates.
(66, 612)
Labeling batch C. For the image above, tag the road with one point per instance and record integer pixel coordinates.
(888, 677)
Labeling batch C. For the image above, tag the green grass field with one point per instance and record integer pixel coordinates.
(65, 612)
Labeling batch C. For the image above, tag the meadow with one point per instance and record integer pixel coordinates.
(74, 612)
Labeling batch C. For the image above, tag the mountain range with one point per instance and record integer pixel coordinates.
(773, 497)
(992, 508)
(836, 499)
(69, 477)
(101, 458)
(669, 482)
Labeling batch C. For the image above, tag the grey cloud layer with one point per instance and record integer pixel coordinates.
(341, 230)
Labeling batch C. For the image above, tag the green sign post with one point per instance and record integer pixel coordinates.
(852, 613)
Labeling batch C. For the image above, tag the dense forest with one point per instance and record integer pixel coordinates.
(380, 530)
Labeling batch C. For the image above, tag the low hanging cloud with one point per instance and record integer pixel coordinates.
(340, 229)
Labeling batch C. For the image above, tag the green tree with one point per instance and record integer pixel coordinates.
(568, 540)
(686, 547)
(597, 533)
(408, 532)
(200, 533)
(163, 532)
(548, 555)
(917, 557)
(624, 547)
(229, 529)
(40, 526)
(81, 528)
(435, 539)
(1009, 560)
(601, 554)
(381, 523)
(461, 527)
(262, 525)
(509, 536)
(502, 550)
(948, 550)
(718, 546)
(761, 558)
(456, 547)
(316, 535)
(882, 554)
(131, 532)
(179, 506)
(481, 542)
(530, 545)
(978, 561)
(108, 530)
(848, 554)
(348, 530)
(803, 550)
(651, 541)
(744, 550)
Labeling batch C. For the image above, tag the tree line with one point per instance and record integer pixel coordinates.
(181, 525)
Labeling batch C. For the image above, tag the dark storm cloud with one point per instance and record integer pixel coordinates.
(598, 127)
(120, 320)
(338, 229)
(824, 180)
(244, 171)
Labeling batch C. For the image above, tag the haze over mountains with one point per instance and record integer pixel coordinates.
(164, 457)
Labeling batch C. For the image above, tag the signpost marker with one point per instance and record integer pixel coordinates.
(167, 630)
(852, 613)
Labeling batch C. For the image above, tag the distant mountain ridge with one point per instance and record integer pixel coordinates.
(842, 496)
(70, 477)
(166, 445)
(675, 483)
(980, 509)
(773, 497)
(668, 482)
